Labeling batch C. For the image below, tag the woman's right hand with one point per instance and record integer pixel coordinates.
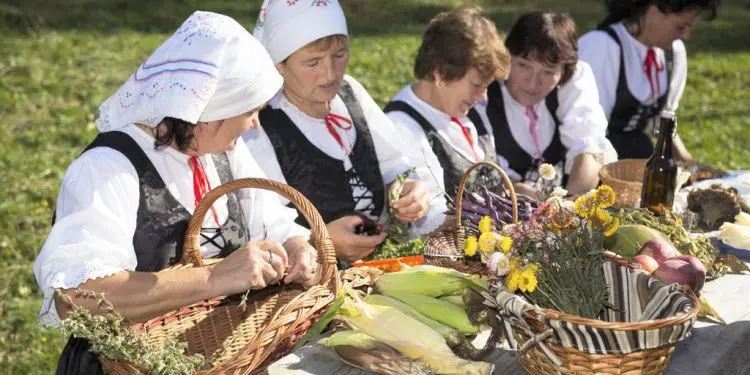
(249, 268)
(352, 247)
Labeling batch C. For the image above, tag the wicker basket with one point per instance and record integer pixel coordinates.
(626, 179)
(445, 246)
(238, 341)
(540, 331)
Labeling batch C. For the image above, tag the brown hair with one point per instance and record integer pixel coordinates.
(174, 130)
(549, 38)
(458, 40)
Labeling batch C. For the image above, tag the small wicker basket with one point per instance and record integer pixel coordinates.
(245, 341)
(445, 246)
(625, 177)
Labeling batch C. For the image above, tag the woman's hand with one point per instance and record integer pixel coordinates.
(352, 247)
(303, 261)
(412, 201)
(253, 266)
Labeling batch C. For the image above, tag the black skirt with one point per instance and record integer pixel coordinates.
(76, 358)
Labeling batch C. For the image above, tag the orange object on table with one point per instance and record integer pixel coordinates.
(393, 264)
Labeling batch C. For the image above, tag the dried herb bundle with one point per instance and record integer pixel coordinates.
(111, 338)
(571, 278)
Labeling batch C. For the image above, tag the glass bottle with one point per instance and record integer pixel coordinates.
(660, 173)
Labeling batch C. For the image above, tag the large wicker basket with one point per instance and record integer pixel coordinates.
(245, 341)
(445, 246)
(552, 342)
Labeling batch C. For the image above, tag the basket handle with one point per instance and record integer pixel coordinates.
(465, 178)
(319, 233)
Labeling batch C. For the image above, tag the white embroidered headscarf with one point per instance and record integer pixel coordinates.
(210, 69)
(285, 26)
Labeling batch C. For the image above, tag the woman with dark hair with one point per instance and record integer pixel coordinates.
(168, 135)
(547, 111)
(460, 55)
(640, 64)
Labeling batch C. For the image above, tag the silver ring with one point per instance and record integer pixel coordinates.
(270, 256)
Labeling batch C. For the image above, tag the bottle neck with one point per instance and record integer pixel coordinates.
(666, 133)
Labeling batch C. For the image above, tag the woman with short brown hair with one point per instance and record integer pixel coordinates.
(460, 55)
(547, 111)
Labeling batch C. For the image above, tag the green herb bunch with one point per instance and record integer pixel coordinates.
(110, 336)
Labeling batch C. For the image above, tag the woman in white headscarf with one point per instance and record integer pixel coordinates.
(324, 135)
(169, 135)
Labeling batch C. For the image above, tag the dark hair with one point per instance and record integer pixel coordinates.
(174, 130)
(630, 10)
(549, 38)
(457, 41)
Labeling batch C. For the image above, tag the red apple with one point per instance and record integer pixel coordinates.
(645, 263)
(659, 249)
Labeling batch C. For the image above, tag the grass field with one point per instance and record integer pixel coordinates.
(60, 59)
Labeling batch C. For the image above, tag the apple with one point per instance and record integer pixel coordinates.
(677, 271)
(645, 263)
(659, 249)
(700, 269)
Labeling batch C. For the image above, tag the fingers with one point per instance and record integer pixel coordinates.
(277, 249)
(301, 271)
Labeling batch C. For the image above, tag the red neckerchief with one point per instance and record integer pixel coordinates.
(201, 186)
(467, 135)
(651, 65)
(334, 121)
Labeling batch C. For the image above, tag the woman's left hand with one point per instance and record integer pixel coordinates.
(412, 202)
(303, 262)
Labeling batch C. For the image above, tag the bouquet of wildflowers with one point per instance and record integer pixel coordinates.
(555, 258)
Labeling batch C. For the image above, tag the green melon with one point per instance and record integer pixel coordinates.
(628, 239)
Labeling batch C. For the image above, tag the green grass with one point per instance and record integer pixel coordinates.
(60, 59)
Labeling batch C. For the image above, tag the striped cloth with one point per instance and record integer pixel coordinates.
(636, 297)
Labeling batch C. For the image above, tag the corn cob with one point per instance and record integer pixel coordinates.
(409, 336)
(444, 312)
(457, 300)
(361, 350)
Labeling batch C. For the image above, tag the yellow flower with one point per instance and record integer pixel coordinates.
(470, 246)
(533, 267)
(505, 244)
(527, 281)
(605, 196)
(562, 218)
(487, 242)
(511, 281)
(612, 228)
(583, 206)
(547, 171)
(485, 225)
(602, 218)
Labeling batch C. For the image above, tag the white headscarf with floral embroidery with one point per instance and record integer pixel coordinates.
(210, 69)
(285, 26)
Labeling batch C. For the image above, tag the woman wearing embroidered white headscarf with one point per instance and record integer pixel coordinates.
(330, 139)
(168, 135)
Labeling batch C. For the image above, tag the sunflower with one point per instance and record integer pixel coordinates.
(470, 246)
(485, 225)
(613, 227)
(505, 244)
(605, 196)
(547, 171)
(487, 242)
(527, 281)
(601, 217)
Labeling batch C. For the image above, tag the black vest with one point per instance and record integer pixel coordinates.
(161, 224)
(629, 117)
(454, 164)
(507, 147)
(319, 177)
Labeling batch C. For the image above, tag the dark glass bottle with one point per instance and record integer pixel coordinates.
(660, 174)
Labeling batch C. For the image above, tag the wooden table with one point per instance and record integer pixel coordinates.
(712, 348)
